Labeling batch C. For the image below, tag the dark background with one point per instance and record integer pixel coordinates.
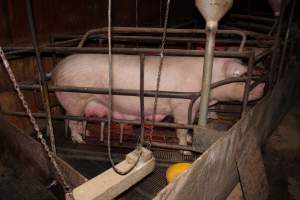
(73, 16)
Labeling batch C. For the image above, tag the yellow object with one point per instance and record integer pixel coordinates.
(176, 169)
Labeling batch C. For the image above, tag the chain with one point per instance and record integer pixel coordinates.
(57, 170)
(160, 69)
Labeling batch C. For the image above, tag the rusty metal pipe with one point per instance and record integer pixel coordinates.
(126, 92)
(158, 30)
(153, 51)
(207, 74)
(250, 17)
(276, 47)
(93, 119)
(286, 38)
(43, 83)
(212, 86)
(247, 84)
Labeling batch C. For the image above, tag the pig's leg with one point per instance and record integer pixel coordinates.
(180, 113)
(77, 129)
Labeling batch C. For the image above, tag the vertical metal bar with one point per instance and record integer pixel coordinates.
(6, 21)
(102, 124)
(248, 82)
(276, 47)
(66, 127)
(121, 132)
(54, 58)
(207, 74)
(136, 13)
(43, 83)
(142, 63)
(287, 34)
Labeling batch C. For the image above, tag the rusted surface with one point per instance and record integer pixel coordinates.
(214, 174)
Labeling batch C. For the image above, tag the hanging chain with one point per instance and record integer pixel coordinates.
(57, 171)
(160, 68)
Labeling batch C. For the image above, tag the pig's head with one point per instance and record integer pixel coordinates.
(233, 91)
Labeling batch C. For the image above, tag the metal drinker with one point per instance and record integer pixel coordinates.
(212, 11)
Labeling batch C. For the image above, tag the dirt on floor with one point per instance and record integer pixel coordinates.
(282, 158)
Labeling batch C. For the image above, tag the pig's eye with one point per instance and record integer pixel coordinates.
(236, 74)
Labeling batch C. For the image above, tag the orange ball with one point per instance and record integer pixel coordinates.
(175, 170)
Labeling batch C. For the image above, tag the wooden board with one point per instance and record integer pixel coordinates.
(251, 170)
(214, 174)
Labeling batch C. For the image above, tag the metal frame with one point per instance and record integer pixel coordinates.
(56, 48)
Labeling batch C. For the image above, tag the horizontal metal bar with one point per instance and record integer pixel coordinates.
(250, 25)
(94, 119)
(152, 51)
(141, 38)
(125, 92)
(250, 17)
(150, 38)
(131, 92)
(178, 31)
(69, 42)
(172, 146)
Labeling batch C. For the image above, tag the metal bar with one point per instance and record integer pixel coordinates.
(44, 87)
(160, 30)
(173, 146)
(142, 76)
(126, 92)
(92, 119)
(286, 38)
(250, 17)
(212, 86)
(276, 46)
(6, 21)
(31, 49)
(143, 38)
(207, 75)
(152, 51)
(263, 55)
(247, 84)
(250, 25)
(130, 92)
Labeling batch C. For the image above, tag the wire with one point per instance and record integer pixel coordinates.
(110, 99)
(160, 67)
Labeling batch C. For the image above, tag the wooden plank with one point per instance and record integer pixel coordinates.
(109, 184)
(236, 193)
(31, 153)
(251, 170)
(214, 174)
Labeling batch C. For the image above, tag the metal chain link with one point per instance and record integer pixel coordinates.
(57, 171)
(160, 69)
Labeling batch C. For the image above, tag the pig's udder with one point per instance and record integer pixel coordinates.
(97, 109)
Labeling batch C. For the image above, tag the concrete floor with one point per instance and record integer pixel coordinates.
(282, 158)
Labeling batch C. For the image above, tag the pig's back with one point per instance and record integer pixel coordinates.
(91, 70)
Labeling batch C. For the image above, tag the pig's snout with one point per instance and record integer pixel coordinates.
(257, 92)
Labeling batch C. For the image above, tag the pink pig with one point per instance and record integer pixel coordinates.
(180, 74)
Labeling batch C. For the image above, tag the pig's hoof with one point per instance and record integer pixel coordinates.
(77, 139)
(186, 153)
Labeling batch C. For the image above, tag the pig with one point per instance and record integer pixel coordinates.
(180, 74)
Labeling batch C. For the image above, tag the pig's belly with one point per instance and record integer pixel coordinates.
(96, 108)
(124, 107)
